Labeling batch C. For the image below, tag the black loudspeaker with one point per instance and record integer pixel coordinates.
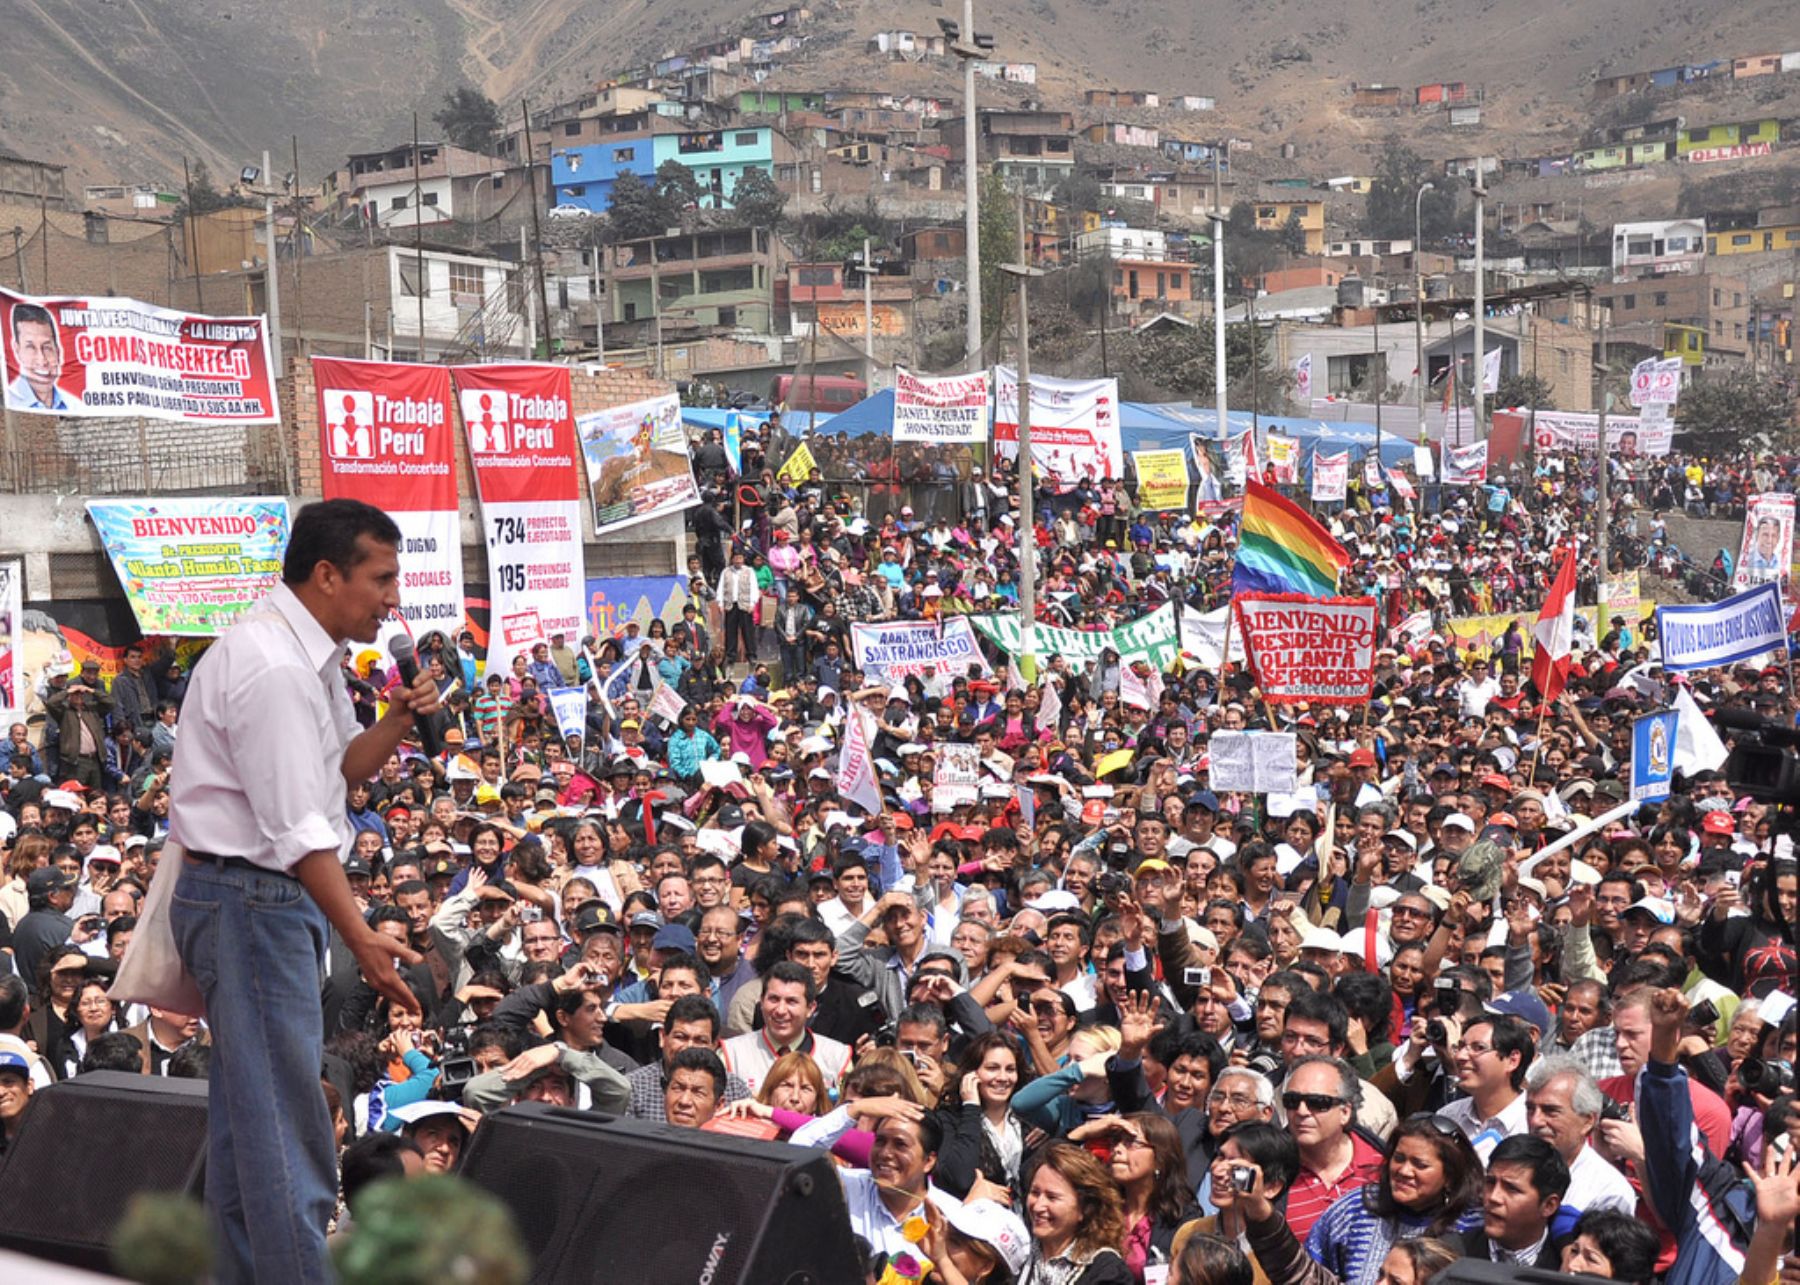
(598, 1198)
(85, 1147)
(1475, 1271)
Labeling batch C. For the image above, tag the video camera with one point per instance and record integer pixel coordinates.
(1763, 763)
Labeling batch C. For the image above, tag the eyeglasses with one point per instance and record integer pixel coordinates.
(1443, 1127)
(1473, 1050)
(1303, 1041)
(1316, 1103)
(1047, 1010)
(1236, 1101)
(1411, 912)
(716, 934)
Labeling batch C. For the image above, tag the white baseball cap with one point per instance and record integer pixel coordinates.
(991, 1223)
(1460, 821)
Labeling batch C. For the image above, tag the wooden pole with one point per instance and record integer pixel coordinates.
(537, 234)
(418, 213)
(298, 242)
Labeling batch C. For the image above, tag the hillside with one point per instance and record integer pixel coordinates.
(125, 88)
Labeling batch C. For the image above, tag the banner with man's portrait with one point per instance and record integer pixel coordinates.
(1766, 551)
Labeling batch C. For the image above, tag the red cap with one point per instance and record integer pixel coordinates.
(1497, 781)
(1718, 823)
(1362, 757)
(1503, 818)
(73, 787)
(904, 821)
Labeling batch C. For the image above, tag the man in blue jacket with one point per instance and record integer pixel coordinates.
(1702, 1201)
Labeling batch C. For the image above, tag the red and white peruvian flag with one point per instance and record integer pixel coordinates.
(1554, 633)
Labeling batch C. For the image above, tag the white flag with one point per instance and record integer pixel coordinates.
(1490, 372)
(1697, 747)
(856, 769)
(570, 705)
(1303, 379)
(1049, 705)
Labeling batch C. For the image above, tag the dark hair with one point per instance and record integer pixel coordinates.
(113, 1051)
(793, 974)
(1171, 1198)
(1367, 997)
(14, 995)
(1628, 1244)
(192, 1061)
(484, 1035)
(1328, 1010)
(699, 1059)
(693, 1008)
(1270, 1147)
(330, 531)
(924, 1015)
(1199, 1044)
(811, 931)
(972, 1058)
(1462, 1173)
(1549, 1171)
(1207, 1260)
(756, 834)
(1510, 1036)
(685, 961)
(371, 1158)
(30, 314)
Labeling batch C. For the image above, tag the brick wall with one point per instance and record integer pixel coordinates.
(123, 256)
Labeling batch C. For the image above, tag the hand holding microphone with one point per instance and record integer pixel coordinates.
(421, 695)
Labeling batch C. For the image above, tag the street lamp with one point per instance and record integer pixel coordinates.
(1480, 379)
(1419, 302)
(977, 46)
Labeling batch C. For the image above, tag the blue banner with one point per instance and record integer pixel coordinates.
(1653, 755)
(1744, 625)
(613, 601)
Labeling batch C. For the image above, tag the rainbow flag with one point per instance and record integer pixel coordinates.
(1282, 549)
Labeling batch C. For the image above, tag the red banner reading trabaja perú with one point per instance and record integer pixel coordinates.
(120, 357)
(520, 422)
(1311, 649)
(387, 437)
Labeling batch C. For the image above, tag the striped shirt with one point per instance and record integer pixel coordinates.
(1310, 1196)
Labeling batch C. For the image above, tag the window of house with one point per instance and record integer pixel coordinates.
(1355, 372)
(745, 139)
(1662, 301)
(623, 154)
(428, 198)
(398, 203)
(1627, 302)
(1737, 332)
(1718, 295)
(467, 279)
(728, 317)
(1737, 300)
(1742, 238)
(413, 282)
(1639, 246)
(572, 129)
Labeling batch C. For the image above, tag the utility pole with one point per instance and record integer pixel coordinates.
(1217, 215)
(1380, 379)
(272, 266)
(967, 45)
(867, 269)
(1600, 444)
(1481, 431)
(298, 242)
(1419, 306)
(418, 213)
(193, 241)
(537, 235)
(1023, 272)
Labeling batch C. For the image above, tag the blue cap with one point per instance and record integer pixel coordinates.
(674, 937)
(14, 1061)
(1525, 1006)
(1204, 799)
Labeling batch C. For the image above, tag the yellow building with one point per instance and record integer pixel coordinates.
(1782, 237)
(1273, 216)
(1685, 342)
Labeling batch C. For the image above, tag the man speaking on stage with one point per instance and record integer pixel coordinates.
(269, 745)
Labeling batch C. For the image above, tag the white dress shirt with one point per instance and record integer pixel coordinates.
(1596, 1183)
(1485, 1135)
(259, 770)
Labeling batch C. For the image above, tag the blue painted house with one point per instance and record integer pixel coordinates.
(583, 176)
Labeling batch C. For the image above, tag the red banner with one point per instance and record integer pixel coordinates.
(1313, 649)
(119, 357)
(521, 431)
(387, 438)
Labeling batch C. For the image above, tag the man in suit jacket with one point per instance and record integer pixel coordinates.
(161, 1033)
(1524, 1186)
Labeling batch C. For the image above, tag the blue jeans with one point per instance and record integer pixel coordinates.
(255, 943)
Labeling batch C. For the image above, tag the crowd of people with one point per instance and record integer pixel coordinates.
(1088, 1020)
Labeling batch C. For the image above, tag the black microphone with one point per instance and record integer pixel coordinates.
(400, 647)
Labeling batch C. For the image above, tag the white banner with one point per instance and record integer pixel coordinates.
(570, 705)
(1656, 381)
(1252, 762)
(1626, 437)
(1331, 476)
(1203, 637)
(1465, 465)
(892, 649)
(1766, 551)
(12, 641)
(956, 777)
(667, 704)
(1490, 372)
(950, 410)
(1074, 426)
(521, 435)
(1744, 625)
(856, 781)
(1303, 378)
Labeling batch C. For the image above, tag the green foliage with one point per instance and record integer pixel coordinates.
(999, 224)
(1250, 251)
(469, 119)
(1293, 234)
(1178, 362)
(163, 1238)
(1734, 410)
(427, 1231)
(1399, 175)
(1524, 390)
(678, 187)
(635, 209)
(837, 232)
(203, 198)
(757, 200)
